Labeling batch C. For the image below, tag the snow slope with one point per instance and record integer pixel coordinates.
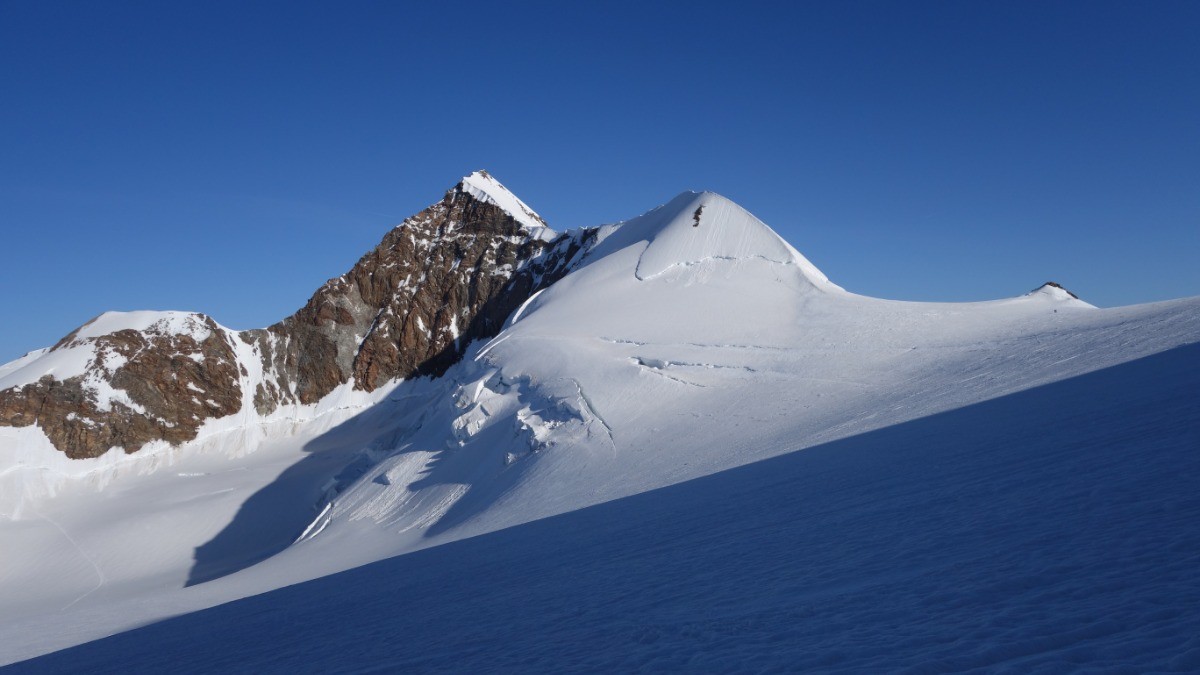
(1029, 533)
(699, 395)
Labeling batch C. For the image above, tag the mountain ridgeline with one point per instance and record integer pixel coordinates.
(443, 278)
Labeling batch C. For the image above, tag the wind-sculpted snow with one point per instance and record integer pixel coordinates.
(689, 396)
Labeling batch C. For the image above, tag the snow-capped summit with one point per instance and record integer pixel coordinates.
(700, 227)
(162, 323)
(482, 186)
(1056, 292)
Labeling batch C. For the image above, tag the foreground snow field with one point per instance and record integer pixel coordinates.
(693, 450)
(1046, 530)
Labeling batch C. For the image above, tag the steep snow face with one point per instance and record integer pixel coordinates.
(482, 186)
(697, 228)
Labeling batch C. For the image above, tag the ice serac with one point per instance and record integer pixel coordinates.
(442, 278)
(695, 228)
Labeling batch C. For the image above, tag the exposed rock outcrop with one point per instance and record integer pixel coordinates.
(138, 386)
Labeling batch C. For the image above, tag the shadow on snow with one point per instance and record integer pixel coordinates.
(1056, 528)
(273, 518)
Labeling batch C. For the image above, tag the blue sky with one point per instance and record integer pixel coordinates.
(228, 157)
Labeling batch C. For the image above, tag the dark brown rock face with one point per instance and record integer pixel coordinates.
(443, 278)
(447, 276)
(172, 382)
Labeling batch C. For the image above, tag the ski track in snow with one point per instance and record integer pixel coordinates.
(100, 580)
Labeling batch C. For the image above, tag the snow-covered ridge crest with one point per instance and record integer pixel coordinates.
(76, 353)
(159, 322)
(482, 186)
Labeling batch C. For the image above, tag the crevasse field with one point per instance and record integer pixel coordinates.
(693, 452)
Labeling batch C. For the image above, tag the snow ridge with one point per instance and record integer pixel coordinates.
(77, 353)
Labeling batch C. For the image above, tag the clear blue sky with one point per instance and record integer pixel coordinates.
(228, 157)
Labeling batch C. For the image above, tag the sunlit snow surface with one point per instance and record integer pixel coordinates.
(694, 451)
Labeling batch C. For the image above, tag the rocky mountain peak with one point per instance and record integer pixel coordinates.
(441, 279)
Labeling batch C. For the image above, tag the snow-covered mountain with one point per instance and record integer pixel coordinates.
(439, 280)
(477, 373)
